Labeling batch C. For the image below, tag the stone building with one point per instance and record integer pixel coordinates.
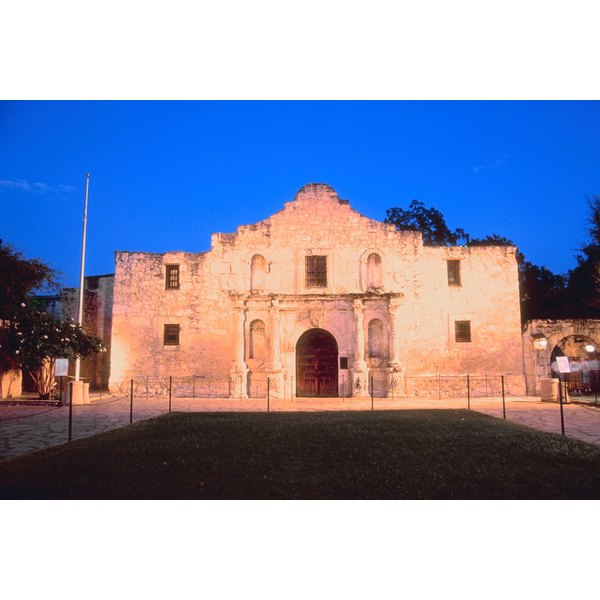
(577, 339)
(320, 301)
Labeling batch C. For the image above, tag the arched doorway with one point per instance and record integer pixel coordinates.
(583, 355)
(316, 364)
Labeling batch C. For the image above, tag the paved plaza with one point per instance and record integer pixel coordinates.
(28, 428)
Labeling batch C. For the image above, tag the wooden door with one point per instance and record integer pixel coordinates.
(317, 364)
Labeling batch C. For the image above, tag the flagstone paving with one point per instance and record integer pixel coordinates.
(24, 429)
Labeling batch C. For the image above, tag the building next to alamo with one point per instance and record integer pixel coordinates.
(318, 300)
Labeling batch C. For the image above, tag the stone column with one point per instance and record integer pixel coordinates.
(239, 371)
(275, 373)
(395, 366)
(359, 370)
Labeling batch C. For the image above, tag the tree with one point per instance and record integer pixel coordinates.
(19, 278)
(583, 289)
(429, 221)
(37, 338)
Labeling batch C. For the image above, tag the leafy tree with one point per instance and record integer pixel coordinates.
(583, 289)
(36, 338)
(19, 277)
(429, 221)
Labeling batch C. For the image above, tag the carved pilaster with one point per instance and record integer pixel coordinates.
(396, 368)
(275, 373)
(239, 371)
(359, 370)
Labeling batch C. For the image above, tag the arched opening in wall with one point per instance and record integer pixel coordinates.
(584, 362)
(374, 278)
(258, 268)
(257, 344)
(376, 347)
(317, 364)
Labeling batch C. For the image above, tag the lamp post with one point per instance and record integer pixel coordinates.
(82, 269)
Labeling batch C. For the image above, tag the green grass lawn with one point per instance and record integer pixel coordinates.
(412, 454)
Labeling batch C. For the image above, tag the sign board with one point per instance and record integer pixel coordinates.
(563, 364)
(61, 367)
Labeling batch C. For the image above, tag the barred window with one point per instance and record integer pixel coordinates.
(453, 272)
(172, 278)
(171, 335)
(462, 331)
(316, 271)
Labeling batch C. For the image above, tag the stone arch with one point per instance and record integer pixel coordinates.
(317, 356)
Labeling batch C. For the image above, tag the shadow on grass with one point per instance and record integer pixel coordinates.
(411, 454)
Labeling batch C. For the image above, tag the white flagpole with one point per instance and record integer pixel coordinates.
(81, 272)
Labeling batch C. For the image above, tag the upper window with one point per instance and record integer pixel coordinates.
(453, 272)
(172, 277)
(462, 331)
(316, 271)
(171, 335)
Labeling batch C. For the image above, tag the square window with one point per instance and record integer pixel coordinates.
(171, 335)
(316, 271)
(343, 362)
(172, 277)
(453, 272)
(462, 331)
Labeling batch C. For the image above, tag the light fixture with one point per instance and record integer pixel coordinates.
(589, 348)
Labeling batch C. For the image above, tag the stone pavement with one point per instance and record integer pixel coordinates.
(27, 428)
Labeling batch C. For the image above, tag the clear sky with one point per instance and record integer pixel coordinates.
(165, 175)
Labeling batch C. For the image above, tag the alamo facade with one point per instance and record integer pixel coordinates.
(317, 300)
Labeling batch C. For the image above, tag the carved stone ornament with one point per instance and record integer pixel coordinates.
(317, 317)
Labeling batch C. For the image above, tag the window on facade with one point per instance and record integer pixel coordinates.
(258, 269)
(256, 347)
(316, 271)
(171, 335)
(375, 338)
(462, 331)
(172, 277)
(453, 272)
(374, 271)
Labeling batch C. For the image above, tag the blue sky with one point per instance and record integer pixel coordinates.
(165, 175)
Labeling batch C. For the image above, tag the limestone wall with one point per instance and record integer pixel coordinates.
(219, 297)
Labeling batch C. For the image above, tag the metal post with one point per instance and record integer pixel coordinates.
(170, 390)
(268, 393)
(71, 412)
(209, 388)
(131, 403)
(194, 386)
(371, 393)
(468, 392)
(82, 269)
(486, 385)
(147, 389)
(61, 389)
(560, 399)
(503, 403)
(439, 387)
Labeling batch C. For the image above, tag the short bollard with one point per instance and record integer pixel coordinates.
(131, 403)
(268, 394)
(170, 390)
(503, 401)
(372, 408)
(468, 393)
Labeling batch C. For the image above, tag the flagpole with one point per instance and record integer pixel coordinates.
(81, 271)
